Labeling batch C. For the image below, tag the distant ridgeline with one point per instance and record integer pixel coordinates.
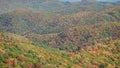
(24, 21)
(42, 5)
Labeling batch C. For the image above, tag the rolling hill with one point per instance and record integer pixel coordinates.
(77, 37)
(24, 21)
(19, 53)
(57, 34)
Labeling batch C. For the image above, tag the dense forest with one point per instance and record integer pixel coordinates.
(59, 34)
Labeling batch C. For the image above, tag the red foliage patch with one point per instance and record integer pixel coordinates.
(21, 58)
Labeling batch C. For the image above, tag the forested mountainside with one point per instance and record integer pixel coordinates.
(24, 21)
(77, 37)
(18, 52)
(59, 34)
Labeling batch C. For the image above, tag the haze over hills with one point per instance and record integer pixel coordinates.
(109, 0)
(57, 34)
(30, 4)
(44, 5)
(88, 0)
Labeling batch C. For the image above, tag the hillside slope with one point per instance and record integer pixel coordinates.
(14, 52)
(24, 21)
(55, 34)
(77, 37)
(18, 53)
